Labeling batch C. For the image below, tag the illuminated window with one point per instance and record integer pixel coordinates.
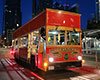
(51, 39)
(35, 38)
(59, 36)
(24, 41)
(73, 38)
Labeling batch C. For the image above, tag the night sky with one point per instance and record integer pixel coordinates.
(1, 15)
(86, 9)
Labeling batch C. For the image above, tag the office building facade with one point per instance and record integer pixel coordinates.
(98, 10)
(12, 18)
(40, 5)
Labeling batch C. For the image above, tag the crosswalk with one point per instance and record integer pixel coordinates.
(86, 77)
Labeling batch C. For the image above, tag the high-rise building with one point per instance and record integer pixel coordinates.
(98, 10)
(40, 5)
(94, 23)
(12, 18)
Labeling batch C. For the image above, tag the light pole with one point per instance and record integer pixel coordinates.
(96, 55)
(85, 42)
(5, 41)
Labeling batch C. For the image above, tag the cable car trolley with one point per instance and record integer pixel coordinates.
(50, 41)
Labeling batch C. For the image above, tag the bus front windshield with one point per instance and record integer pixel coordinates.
(62, 37)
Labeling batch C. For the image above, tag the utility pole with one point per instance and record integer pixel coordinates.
(85, 43)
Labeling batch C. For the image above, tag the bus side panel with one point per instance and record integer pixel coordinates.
(40, 60)
(23, 53)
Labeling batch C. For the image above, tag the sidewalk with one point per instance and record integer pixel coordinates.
(92, 66)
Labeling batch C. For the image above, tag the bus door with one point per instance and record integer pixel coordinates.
(41, 52)
(34, 47)
(42, 47)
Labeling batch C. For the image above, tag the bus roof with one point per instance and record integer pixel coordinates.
(31, 25)
(50, 17)
(63, 18)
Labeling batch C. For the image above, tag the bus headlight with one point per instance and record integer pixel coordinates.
(79, 57)
(51, 59)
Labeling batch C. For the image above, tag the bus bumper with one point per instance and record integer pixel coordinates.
(55, 66)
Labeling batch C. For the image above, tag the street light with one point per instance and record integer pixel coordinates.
(5, 38)
(17, 24)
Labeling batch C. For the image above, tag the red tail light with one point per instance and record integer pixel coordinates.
(12, 52)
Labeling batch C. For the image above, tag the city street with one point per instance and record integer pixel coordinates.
(10, 70)
(50, 40)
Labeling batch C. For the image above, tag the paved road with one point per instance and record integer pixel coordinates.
(10, 70)
(5, 53)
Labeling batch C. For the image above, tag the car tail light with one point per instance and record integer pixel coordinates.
(12, 52)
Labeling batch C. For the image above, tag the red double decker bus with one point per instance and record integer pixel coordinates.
(50, 41)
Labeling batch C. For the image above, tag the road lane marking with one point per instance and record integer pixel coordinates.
(11, 65)
(9, 62)
(37, 76)
(21, 70)
(15, 75)
(86, 77)
(2, 61)
(26, 78)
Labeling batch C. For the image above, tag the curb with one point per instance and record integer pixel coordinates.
(90, 69)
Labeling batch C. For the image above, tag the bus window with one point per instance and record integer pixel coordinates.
(51, 39)
(16, 43)
(20, 42)
(73, 38)
(60, 37)
(24, 42)
(35, 40)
